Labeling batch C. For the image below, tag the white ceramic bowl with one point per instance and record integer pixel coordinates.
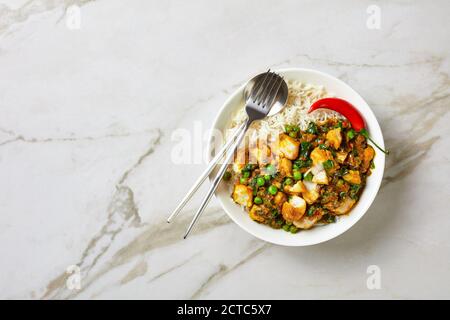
(316, 234)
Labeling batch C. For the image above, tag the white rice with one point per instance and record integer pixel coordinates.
(301, 96)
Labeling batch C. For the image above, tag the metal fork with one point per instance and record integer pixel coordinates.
(257, 106)
(253, 83)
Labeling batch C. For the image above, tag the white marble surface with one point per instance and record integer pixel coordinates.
(86, 117)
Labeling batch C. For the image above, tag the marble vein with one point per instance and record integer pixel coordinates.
(21, 138)
(138, 270)
(174, 267)
(402, 71)
(152, 237)
(411, 148)
(10, 17)
(122, 213)
(224, 270)
(433, 60)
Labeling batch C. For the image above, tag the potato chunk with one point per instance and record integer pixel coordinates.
(341, 156)
(240, 159)
(296, 189)
(334, 137)
(243, 195)
(288, 146)
(280, 198)
(254, 213)
(320, 177)
(294, 209)
(352, 177)
(285, 167)
(319, 156)
(306, 222)
(345, 206)
(310, 196)
(260, 155)
(368, 155)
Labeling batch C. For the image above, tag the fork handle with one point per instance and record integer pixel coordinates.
(205, 174)
(218, 177)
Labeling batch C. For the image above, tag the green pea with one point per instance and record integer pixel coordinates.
(246, 174)
(293, 134)
(260, 181)
(293, 229)
(257, 200)
(286, 228)
(267, 177)
(297, 175)
(287, 128)
(272, 190)
(243, 180)
(288, 181)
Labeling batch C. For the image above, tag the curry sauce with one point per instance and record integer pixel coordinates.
(304, 178)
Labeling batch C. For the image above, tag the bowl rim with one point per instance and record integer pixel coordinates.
(374, 126)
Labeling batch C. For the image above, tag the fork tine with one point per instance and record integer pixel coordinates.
(257, 86)
(271, 95)
(257, 92)
(276, 92)
(261, 96)
(267, 92)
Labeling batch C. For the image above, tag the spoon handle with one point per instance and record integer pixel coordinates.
(218, 177)
(206, 173)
